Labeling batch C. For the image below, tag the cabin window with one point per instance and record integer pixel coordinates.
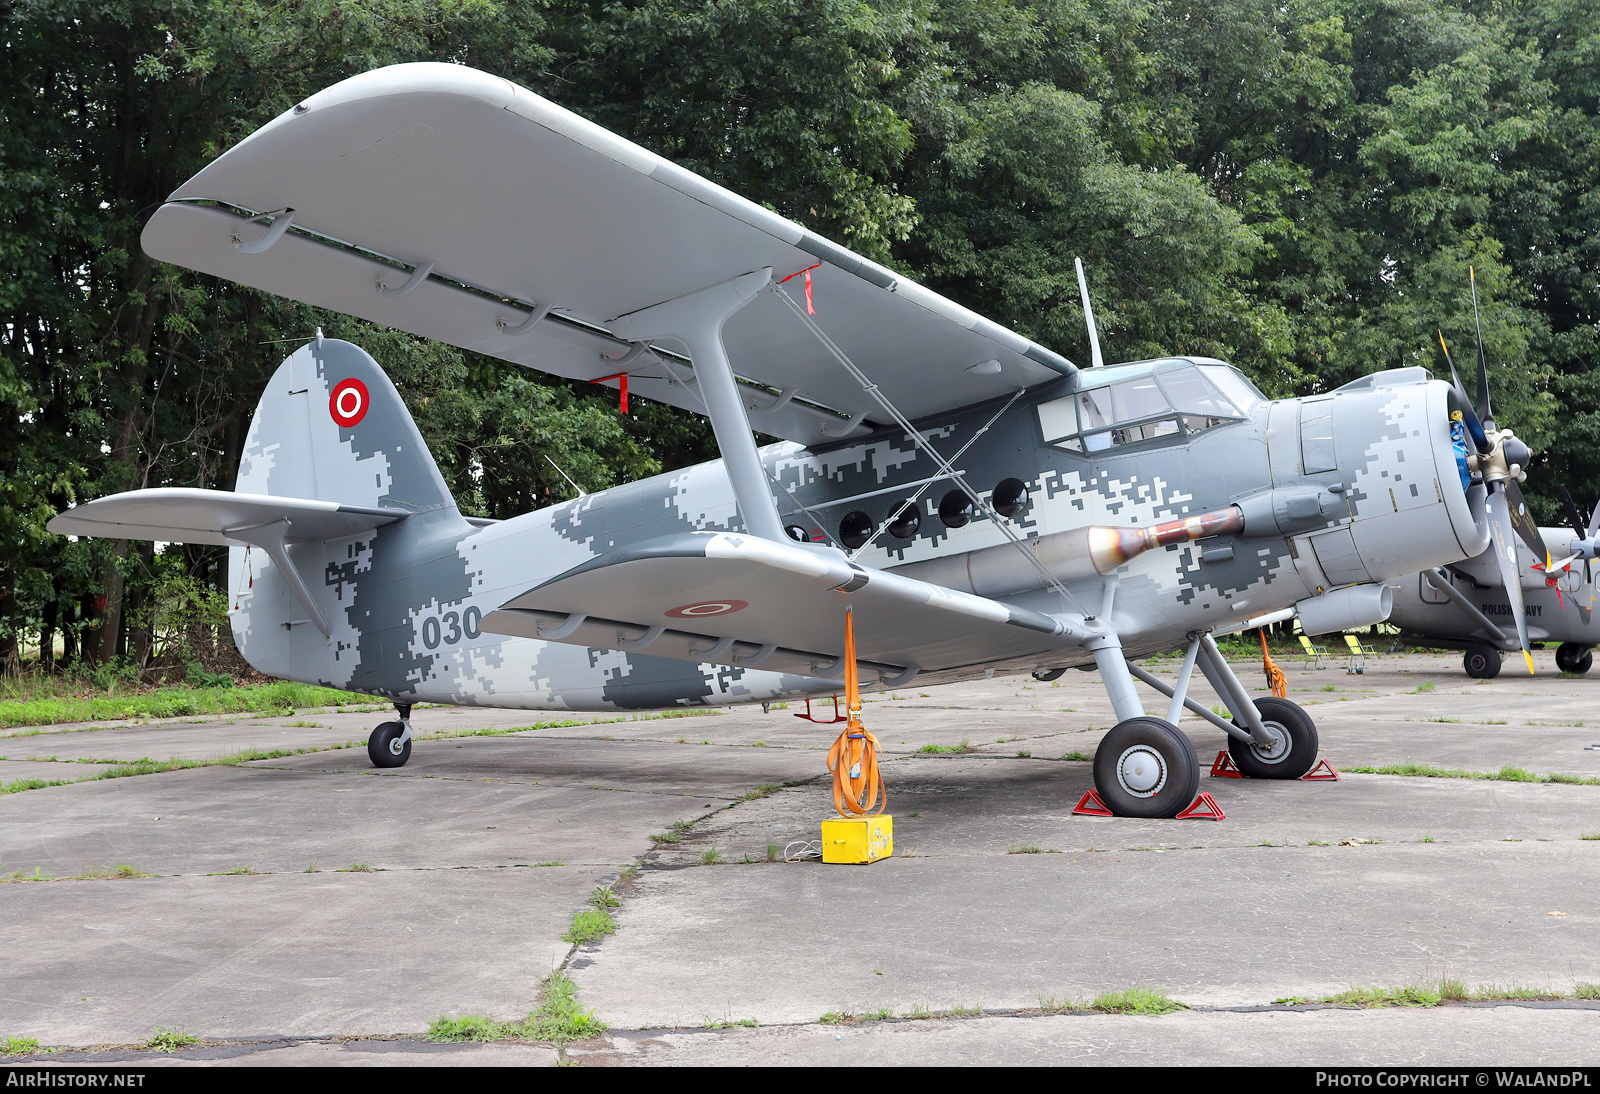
(1010, 497)
(906, 524)
(955, 509)
(855, 529)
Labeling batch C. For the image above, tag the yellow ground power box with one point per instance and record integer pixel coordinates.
(857, 840)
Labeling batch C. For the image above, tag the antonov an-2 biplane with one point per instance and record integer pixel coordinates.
(983, 504)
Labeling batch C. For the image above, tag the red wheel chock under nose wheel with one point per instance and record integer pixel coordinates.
(1223, 767)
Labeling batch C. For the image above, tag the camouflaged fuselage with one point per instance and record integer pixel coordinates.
(408, 599)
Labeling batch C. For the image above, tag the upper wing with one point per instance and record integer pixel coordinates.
(185, 515)
(740, 600)
(487, 201)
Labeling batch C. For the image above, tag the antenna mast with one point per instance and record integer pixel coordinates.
(1088, 315)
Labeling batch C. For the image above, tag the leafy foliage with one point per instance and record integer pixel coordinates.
(1297, 186)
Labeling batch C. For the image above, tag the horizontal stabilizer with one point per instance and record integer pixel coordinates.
(738, 600)
(180, 515)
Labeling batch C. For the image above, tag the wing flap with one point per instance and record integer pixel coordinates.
(505, 197)
(180, 515)
(738, 600)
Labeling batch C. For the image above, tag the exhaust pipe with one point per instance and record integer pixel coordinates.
(1072, 556)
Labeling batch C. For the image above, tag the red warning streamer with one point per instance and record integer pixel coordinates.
(622, 378)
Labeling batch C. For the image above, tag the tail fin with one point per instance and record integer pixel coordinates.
(331, 426)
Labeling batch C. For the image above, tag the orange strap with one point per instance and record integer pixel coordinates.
(853, 759)
(1277, 682)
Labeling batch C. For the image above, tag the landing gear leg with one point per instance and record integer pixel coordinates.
(390, 743)
(1145, 767)
(1571, 657)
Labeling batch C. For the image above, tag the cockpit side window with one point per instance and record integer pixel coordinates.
(1174, 401)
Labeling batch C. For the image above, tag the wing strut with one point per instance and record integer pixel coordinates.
(696, 320)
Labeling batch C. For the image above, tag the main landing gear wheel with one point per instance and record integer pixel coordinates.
(1482, 661)
(1146, 767)
(1571, 657)
(1294, 748)
(384, 745)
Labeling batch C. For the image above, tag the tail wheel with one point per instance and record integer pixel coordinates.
(384, 747)
(1146, 767)
(1571, 657)
(1482, 662)
(1293, 751)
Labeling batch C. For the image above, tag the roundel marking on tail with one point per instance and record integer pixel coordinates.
(348, 403)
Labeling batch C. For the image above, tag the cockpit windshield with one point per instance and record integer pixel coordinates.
(1173, 398)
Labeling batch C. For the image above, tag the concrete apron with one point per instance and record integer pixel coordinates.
(461, 918)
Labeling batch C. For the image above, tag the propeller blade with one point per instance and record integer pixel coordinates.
(1505, 554)
(1468, 415)
(1485, 411)
(1578, 530)
(1523, 522)
(1572, 511)
(1594, 521)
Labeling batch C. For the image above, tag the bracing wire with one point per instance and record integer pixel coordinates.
(922, 442)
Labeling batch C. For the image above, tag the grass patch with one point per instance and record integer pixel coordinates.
(357, 868)
(964, 746)
(19, 1046)
(232, 872)
(836, 1018)
(116, 873)
(714, 855)
(558, 1020)
(470, 1027)
(1136, 1001)
(1584, 990)
(590, 925)
(1024, 754)
(280, 697)
(1412, 995)
(708, 1022)
(1079, 756)
(146, 766)
(603, 897)
(169, 1040)
(1024, 849)
(1590, 835)
(1508, 774)
(17, 786)
(763, 791)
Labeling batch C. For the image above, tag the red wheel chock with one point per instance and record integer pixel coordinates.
(837, 717)
(1204, 807)
(1090, 805)
(1223, 767)
(1322, 773)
